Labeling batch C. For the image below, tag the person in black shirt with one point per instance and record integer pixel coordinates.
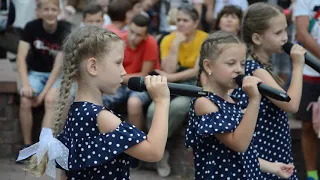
(39, 62)
(9, 35)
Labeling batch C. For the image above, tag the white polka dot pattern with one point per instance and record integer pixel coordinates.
(272, 133)
(212, 159)
(93, 155)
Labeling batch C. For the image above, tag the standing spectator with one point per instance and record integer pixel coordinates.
(308, 34)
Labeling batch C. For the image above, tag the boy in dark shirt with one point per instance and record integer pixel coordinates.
(39, 63)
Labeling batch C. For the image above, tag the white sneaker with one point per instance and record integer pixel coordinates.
(163, 166)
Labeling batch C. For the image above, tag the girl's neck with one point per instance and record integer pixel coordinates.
(50, 28)
(263, 55)
(86, 93)
(218, 90)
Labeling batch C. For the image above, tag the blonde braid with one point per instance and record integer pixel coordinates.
(89, 41)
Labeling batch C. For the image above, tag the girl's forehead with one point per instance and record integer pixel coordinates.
(277, 22)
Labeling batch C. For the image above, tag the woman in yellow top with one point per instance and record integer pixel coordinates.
(179, 62)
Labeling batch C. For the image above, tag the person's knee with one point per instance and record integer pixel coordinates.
(25, 102)
(134, 105)
(50, 100)
(180, 105)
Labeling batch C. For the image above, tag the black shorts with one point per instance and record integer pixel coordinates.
(310, 93)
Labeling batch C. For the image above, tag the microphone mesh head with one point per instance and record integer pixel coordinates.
(287, 47)
(239, 79)
(135, 83)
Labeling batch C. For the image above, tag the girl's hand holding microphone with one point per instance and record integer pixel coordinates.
(250, 87)
(297, 55)
(157, 88)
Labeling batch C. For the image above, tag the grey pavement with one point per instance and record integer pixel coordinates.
(11, 171)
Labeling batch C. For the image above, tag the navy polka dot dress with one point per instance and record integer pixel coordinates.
(273, 138)
(95, 155)
(212, 159)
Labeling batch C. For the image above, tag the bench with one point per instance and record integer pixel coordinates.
(10, 134)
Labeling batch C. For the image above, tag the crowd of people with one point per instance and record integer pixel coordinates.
(234, 132)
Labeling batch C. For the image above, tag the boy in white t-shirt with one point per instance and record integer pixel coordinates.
(308, 34)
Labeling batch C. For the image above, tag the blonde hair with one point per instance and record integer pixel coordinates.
(213, 46)
(55, 2)
(85, 42)
(257, 20)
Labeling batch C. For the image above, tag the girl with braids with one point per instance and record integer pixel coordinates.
(100, 144)
(264, 32)
(218, 131)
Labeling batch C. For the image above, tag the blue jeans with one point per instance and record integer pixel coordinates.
(123, 94)
(38, 80)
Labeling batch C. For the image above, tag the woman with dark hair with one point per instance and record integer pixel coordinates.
(229, 19)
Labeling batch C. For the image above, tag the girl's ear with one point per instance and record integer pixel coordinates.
(92, 67)
(256, 39)
(207, 66)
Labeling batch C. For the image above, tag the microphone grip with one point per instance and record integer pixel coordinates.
(273, 93)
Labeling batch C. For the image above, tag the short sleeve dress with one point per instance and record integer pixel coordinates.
(273, 138)
(212, 159)
(95, 155)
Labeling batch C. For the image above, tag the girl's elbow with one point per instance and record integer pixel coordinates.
(240, 147)
(155, 156)
(293, 108)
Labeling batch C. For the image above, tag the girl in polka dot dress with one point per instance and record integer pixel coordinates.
(100, 144)
(219, 133)
(264, 32)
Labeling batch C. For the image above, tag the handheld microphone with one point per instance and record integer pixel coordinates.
(266, 90)
(137, 84)
(310, 60)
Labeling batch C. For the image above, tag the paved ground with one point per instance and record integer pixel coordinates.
(11, 171)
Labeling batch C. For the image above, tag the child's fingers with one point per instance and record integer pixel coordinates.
(164, 79)
(159, 79)
(153, 81)
(147, 81)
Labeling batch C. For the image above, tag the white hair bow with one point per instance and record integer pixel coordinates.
(57, 152)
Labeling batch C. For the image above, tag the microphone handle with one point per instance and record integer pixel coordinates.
(186, 90)
(273, 93)
(313, 62)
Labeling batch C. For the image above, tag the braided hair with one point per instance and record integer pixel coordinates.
(257, 20)
(211, 48)
(88, 41)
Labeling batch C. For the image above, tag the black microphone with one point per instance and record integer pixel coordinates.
(310, 60)
(266, 90)
(137, 84)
